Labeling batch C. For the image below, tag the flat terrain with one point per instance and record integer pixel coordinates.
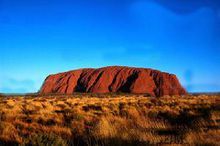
(83, 119)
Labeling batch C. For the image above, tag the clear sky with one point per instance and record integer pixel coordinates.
(40, 37)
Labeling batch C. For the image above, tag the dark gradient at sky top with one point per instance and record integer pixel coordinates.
(40, 37)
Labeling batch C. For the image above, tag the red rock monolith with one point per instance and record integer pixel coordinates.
(113, 79)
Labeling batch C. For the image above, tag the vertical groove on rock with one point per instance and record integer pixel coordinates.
(130, 80)
(67, 83)
(80, 87)
(156, 82)
(58, 83)
(96, 80)
(114, 80)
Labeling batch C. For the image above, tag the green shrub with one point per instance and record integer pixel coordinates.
(42, 139)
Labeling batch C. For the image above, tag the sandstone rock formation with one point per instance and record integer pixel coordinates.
(113, 79)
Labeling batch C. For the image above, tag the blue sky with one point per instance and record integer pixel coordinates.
(40, 37)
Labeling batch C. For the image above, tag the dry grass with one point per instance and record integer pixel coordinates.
(110, 120)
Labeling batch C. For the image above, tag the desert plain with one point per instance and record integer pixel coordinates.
(109, 119)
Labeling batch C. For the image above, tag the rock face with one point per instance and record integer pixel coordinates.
(113, 79)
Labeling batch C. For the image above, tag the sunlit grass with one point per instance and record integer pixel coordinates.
(110, 120)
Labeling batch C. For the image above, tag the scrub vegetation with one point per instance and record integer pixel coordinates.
(109, 119)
